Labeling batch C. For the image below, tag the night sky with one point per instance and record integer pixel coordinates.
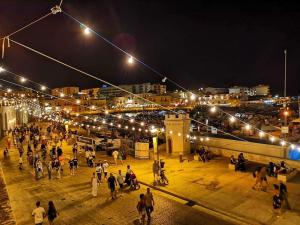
(196, 43)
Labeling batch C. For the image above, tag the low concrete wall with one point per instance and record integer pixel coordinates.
(256, 152)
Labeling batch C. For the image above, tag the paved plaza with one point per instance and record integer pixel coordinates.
(73, 199)
(224, 194)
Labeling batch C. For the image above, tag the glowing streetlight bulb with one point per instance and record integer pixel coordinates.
(272, 139)
(1, 69)
(282, 143)
(77, 101)
(285, 113)
(23, 79)
(87, 31)
(9, 90)
(131, 120)
(292, 146)
(126, 127)
(248, 127)
(43, 88)
(119, 125)
(130, 60)
(106, 112)
(213, 109)
(207, 138)
(133, 128)
(232, 119)
(193, 97)
(179, 134)
(261, 134)
(142, 124)
(62, 95)
(171, 132)
(120, 116)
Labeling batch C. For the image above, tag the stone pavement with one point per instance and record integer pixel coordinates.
(6, 214)
(73, 199)
(213, 185)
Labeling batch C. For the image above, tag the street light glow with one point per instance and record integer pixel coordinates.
(62, 95)
(261, 133)
(248, 127)
(130, 60)
(77, 101)
(193, 97)
(23, 79)
(1, 69)
(86, 31)
(43, 88)
(232, 119)
(213, 109)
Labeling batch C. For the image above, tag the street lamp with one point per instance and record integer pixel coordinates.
(130, 60)
(86, 31)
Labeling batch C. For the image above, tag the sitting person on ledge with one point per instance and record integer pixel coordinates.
(241, 163)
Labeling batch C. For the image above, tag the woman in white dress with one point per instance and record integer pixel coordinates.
(94, 184)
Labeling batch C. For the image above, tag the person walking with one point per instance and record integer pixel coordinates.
(105, 169)
(115, 155)
(127, 176)
(149, 201)
(120, 180)
(94, 185)
(51, 213)
(20, 163)
(99, 171)
(39, 214)
(276, 201)
(141, 207)
(112, 183)
(284, 195)
(49, 169)
(155, 170)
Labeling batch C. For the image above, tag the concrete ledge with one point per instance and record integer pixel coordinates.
(286, 177)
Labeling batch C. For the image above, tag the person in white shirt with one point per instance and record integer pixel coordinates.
(105, 169)
(120, 179)
(39, 214)
(115, 154)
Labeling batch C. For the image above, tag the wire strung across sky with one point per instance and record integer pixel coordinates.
(155, 71)
(113, 85)
(57, 9)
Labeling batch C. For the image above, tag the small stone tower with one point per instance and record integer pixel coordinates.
(177, 131)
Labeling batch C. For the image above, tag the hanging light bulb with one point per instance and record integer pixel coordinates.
(142, 124)
(261, 134)
(131, 120)
(272, 138)
(193, 97)
(140, 129)
(232, 119)
(86, 31)
(23, 79)
(130, 60)
(213, 109)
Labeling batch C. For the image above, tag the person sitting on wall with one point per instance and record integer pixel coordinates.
(232, 160)
(241, 163)
(202, 154)
(283, 168)
(271, 169)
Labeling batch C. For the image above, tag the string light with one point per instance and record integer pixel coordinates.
(142, 124)
(282, 143)
(126, 127)
(130, 60)
(131, 120)
(86, 31)
(261, 134)
(213, 109)
(232, 119)
(193, 97)
(23, 79)
(133, 128)
(140, 129)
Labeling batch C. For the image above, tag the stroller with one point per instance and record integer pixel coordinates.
(134, 184)
(162, 178)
